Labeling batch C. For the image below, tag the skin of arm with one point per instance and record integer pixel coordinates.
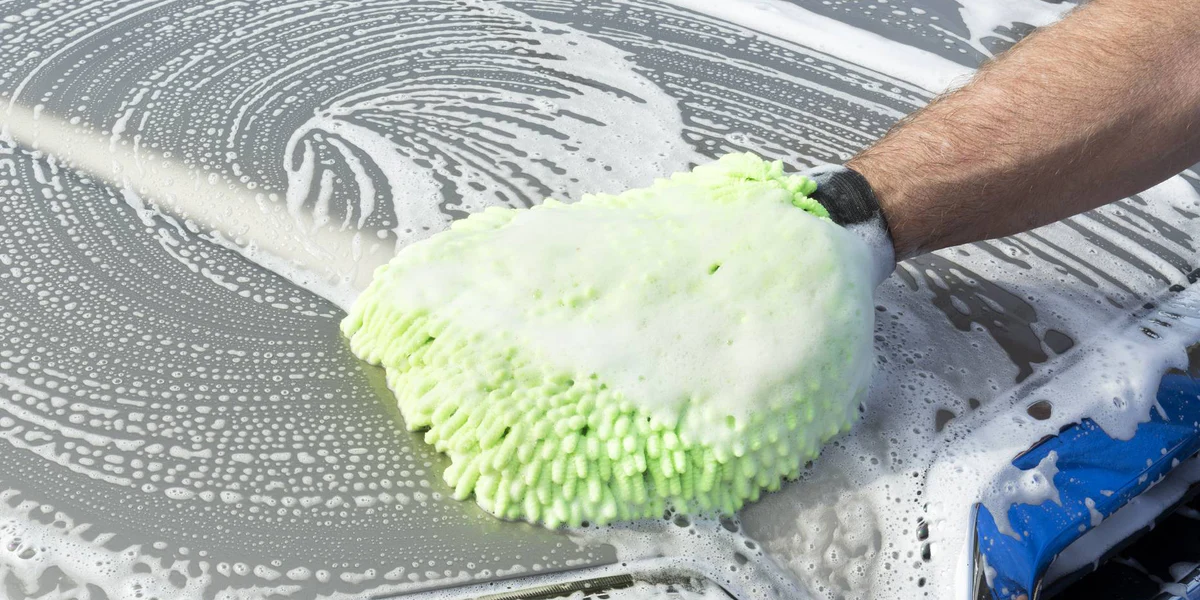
(1101, 105)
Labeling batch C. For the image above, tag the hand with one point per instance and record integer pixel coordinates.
(852, 204)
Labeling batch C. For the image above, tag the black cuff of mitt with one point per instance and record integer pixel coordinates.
(851, 203)
(846, 195)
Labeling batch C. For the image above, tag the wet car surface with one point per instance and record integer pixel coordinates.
(179, 420)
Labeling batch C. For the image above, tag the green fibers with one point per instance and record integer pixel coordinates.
(689, 344)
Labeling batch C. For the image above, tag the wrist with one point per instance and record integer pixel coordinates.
(852, 204)
(887, 196)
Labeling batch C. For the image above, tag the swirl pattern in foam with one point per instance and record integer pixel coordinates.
(197, 421)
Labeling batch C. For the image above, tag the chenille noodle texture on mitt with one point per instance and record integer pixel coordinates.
(688, 345)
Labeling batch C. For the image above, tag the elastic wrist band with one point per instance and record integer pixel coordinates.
(847, 195)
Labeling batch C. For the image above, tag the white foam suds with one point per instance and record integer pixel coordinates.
(1013, 486)
(661, 591)
(29, 548)
(1130, 518)
(717, 320)
(1112, 381)
(791, 22)
(125, 363)
(966, 462)
(984, 18)
(713, 548)
(327, 260)
(621, 131)
(1094, 516)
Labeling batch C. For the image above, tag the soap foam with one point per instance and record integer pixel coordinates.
(866, 493)
(710, 310)
(1012, 486)
(854, 45)
(714, 340)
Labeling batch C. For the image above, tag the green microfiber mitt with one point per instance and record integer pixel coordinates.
(689, 344)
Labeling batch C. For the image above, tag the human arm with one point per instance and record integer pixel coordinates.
(1101, 105)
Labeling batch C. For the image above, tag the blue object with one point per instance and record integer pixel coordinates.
(1091, 465)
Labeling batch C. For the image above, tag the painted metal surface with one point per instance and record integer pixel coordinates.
(194, 421)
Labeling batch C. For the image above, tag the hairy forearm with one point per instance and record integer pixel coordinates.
(1102, 105)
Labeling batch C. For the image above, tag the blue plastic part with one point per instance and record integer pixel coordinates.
(1091, 465)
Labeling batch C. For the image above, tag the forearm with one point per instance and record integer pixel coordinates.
(1102, 105)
